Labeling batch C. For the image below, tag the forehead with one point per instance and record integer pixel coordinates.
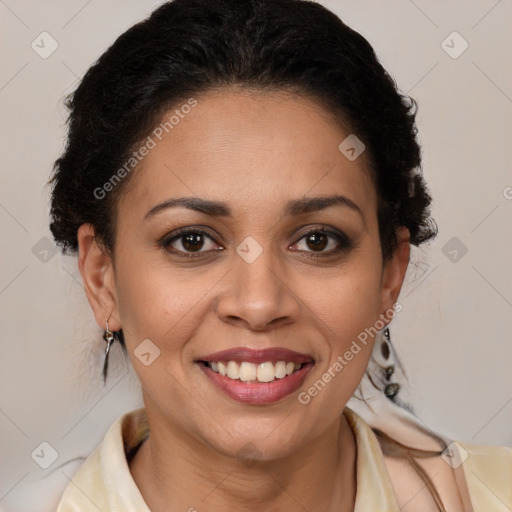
(248, 148)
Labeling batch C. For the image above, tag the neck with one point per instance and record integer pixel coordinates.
(174, 472)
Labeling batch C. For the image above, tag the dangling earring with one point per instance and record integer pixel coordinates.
(109, 338)
(392, 388)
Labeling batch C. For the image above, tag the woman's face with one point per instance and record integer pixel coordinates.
(252, 279)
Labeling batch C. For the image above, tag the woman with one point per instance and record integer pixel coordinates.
(240, 182)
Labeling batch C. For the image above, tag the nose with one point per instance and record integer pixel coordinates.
(259, 295)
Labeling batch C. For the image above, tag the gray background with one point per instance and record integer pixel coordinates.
(453, 334)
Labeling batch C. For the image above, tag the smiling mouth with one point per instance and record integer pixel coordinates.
(246, 371)
(256, 376)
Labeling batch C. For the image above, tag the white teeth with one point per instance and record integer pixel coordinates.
(247, 371)
(280, 369)
(233, 371)
(250, 372)
(266, 372)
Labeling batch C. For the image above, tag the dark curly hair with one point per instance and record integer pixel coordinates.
(189, 46)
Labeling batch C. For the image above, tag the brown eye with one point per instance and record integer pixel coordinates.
(192, 241)
(318, 240)
(189, 243)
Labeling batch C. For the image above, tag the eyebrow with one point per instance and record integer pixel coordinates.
(220, 209)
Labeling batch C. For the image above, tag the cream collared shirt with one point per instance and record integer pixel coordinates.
(104, 482)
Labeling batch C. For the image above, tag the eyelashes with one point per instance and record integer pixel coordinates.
(194, 238)
(318, 235)
(168, 240)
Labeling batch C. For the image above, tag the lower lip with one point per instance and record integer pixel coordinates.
(258, 392)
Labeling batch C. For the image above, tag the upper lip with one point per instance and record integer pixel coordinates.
(257, 356)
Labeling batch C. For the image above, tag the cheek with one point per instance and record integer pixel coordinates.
(345, 310)
(348, 299)
(344, 316)
(162, 304)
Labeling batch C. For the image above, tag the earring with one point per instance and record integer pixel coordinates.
(392, 388)
(109, 338)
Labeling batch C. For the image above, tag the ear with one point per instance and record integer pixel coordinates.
(97, 271)
(394, 269)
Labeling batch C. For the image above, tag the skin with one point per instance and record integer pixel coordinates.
(254, 151)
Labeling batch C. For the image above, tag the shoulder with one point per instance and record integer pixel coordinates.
(483, 455)
(465, 477)
(488, 473)
(104, 480)
(86, 488)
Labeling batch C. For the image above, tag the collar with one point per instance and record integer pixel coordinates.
(104, 481)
